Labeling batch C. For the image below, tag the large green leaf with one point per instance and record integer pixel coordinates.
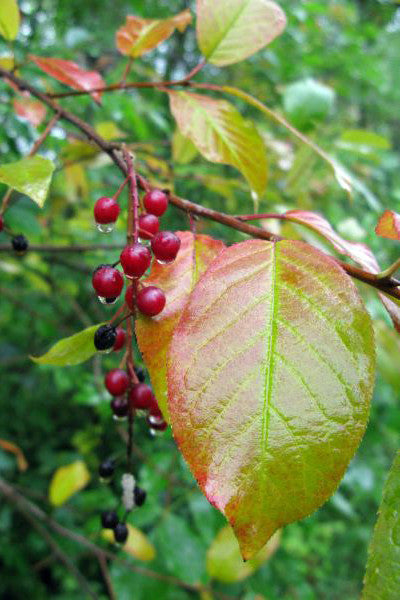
(271, 371)
(230, 30)
(30, 176)
(9, 19)
(71, 350)
(177, 281)
(66, 481)
(222, 135)
(382, 579)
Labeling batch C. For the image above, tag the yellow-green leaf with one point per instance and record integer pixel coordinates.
(225, 563)
(137, 545)
(30, 176)
(382, 579)
(109, 130)
(270, 375)
(9, 19)
(66, 481)
(139, 36)
(222, 135)
(183, 149)
(229, 31)
(71, 350)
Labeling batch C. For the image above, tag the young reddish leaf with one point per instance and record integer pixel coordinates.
(382, 579)
(229, 31)
(139, 36)
(222, 135)
(360, 253)
(71, 74)
(29, 109)
(9, 19)
(271, 371)
(389, 225)
(177, 281)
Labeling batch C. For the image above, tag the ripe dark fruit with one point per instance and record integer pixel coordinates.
(104, 338)
(165, 246)
(148, 226)
(162, 426)
(106, 469)
(107, 282)
(106, 210)
(141, 396)
(155, 202)
(117, 382)
(140, 374)
(135, 260)
(155, 411)
(109, 519)
(20, 244)
(139, 495)
(121, 533)
(119, 407)
(150, 300)
(120, 339)
(2, 223)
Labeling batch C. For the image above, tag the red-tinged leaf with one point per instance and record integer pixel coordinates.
(360, 253)
(71, 74)
(271, 372)
(14, 449)
(139, 36)
(389, 225)
(29, 109)
(177, 281)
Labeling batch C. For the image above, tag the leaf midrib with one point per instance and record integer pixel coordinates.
(230, 25)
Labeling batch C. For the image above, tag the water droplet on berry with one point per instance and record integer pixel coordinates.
(120, 419)
(107, 300)
(105, 227)
(165, 262)
(106, 351)
(144, 242)
(141, 413)
(156, 432)
(153, 420)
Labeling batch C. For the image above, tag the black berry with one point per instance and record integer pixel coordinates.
(121, 533)
(139, 495)
(105, 337)
(20, 244)
(107, 468)
(109, 519)
(140, 374)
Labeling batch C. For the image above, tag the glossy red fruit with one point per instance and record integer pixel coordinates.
(135, 260)
(106, 210)
(130, 297)
(148, 226)
(155, 202)
(155, 411)
(2, 223)
(165, 246)
(150, 300)
(142, 397)
(162, 426)
(117, 382)
(120, 339)
(107, 282)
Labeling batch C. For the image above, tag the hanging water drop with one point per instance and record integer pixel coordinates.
(105, 227)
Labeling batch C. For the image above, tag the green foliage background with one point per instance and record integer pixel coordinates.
(346, 54)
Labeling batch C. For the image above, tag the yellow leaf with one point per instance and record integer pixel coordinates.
(137, 544)
(66, 481)
(9, 19)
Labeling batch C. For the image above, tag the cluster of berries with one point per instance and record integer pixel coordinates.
(133, 496)
(135, 258)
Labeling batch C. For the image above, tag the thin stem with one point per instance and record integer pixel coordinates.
(50, 249)
(391, 270)
(119, 190)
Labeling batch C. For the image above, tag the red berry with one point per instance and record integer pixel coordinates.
(119, 406)
(2, 223)
(130, 298)
(108, 282)
(148, 226)
(155, 411)
(106, 210)
(117, 382)
(150, 300)
(135, 260)
(142, 397)
(156, 202)
(120, 339)
(162, 426)
(165, 246)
